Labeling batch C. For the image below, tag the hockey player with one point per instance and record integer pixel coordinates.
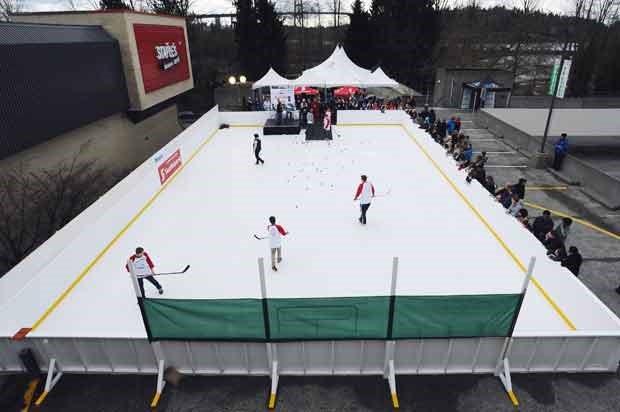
(257, 146)
(327, 120)
(365, 193)
(275, 232)
(143, 265)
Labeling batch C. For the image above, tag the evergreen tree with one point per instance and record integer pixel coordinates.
(245, 35)
(359, 36)
(260, 38)
(171, 7)
(113, 5)
(404, 38)
(271, 40)
(607, 80)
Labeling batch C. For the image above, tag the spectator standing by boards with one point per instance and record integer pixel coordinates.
(561, 148)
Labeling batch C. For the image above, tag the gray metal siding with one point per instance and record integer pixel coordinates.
(48, 89)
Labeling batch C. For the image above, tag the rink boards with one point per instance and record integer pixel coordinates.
(542, 341)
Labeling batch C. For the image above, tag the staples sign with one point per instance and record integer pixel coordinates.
(162, 51)
(167, 168)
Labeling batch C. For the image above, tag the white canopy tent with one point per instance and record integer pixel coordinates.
(339, 70)
(271, 78)
(336, 71)
(378, 78)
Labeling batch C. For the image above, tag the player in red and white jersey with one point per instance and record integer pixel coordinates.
(327, 120)
(275, 232)
(365, 193)
(143, 268)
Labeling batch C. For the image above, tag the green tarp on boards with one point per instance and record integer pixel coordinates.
(205, 319)
(331, 318)
(454, 316)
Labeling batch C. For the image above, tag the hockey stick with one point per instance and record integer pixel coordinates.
(165, 273)
(389, 191)
(267, 237)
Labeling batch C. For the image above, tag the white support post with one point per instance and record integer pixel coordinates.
(389, 372)
(504, 376)
(528, 275)
(274, 384)
(161, 364)
(53, 376)
(272, 350)
(392, 383)
(390, 349)
(261, 274)
(134, 279)
(394, 276)
(161, 383)
(503, 365)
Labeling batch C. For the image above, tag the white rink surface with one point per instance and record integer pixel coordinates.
(207, 215)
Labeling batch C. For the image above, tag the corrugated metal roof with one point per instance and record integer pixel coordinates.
(32, 33)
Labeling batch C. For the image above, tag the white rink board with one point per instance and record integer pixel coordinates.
(207, 215)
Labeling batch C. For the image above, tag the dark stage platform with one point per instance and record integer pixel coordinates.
(317, 132)
(287, 127)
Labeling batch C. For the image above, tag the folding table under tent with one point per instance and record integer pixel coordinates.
(381, 299)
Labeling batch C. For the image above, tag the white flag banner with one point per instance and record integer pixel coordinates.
(563, 78)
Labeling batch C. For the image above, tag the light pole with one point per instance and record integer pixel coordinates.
(232, 80)
(540, 159)
(553, 96)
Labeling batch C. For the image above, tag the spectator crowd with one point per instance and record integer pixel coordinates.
(553, 235)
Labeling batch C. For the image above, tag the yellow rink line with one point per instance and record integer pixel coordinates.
(581, 221)
(546, 187)
(81, 276)
(538, 286)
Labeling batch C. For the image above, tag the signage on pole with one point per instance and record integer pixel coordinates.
(554, 77)
(563, 79)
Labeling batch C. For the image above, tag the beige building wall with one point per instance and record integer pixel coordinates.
(114, 142)
(120, 26)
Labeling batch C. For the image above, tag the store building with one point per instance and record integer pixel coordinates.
(99, 85)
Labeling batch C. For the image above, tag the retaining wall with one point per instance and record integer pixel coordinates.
(596, 183)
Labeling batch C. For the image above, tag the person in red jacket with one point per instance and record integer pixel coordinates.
(143, 268)
(365, 193)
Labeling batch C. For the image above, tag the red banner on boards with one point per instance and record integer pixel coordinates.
(163, 55)
(167, 168)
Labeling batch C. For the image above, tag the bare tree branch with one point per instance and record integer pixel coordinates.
(33, 206)
(9, 7)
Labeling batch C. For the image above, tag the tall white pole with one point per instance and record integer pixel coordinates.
(394, 275)
(134, 278)
(528, 276)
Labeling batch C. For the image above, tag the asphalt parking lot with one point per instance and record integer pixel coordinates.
(536, 392)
